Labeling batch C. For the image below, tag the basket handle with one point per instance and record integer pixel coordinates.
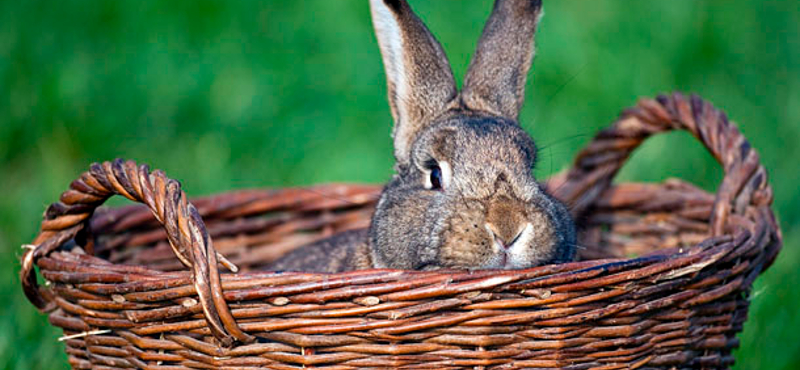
(745, 181)
(186, 233)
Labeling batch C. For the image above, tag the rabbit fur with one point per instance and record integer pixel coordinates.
(463, 195)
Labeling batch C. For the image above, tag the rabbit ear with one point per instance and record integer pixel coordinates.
(495, 80)
(417, 71)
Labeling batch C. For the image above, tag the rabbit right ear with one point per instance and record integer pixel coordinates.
(495, 80)
(420, 82)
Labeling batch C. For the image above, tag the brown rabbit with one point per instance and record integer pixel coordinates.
(464, 195)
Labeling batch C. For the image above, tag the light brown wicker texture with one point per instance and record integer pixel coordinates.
(124, 300)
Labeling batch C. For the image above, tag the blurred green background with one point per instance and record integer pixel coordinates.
(229, 95)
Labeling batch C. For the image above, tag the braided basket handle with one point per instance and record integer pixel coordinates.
(186, 233)
(745, 181)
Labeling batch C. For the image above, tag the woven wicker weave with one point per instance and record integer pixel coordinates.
(125, 301)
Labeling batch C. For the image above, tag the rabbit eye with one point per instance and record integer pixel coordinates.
(438, 175)
(436, 178)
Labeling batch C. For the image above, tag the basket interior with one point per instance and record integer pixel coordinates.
(255, 227)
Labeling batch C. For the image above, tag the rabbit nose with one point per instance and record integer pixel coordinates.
(505, 219)
(504, 239)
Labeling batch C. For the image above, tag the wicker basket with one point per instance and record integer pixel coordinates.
(124, 300)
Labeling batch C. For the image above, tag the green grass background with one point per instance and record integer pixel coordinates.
(229, 95)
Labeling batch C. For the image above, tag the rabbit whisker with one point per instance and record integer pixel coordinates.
(311, 190)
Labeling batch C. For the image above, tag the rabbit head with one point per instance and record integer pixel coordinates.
(464, 195)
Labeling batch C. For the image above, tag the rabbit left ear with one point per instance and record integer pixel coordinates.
(420, 82)
(495, 80)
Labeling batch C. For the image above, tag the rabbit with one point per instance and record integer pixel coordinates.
(463, 196)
